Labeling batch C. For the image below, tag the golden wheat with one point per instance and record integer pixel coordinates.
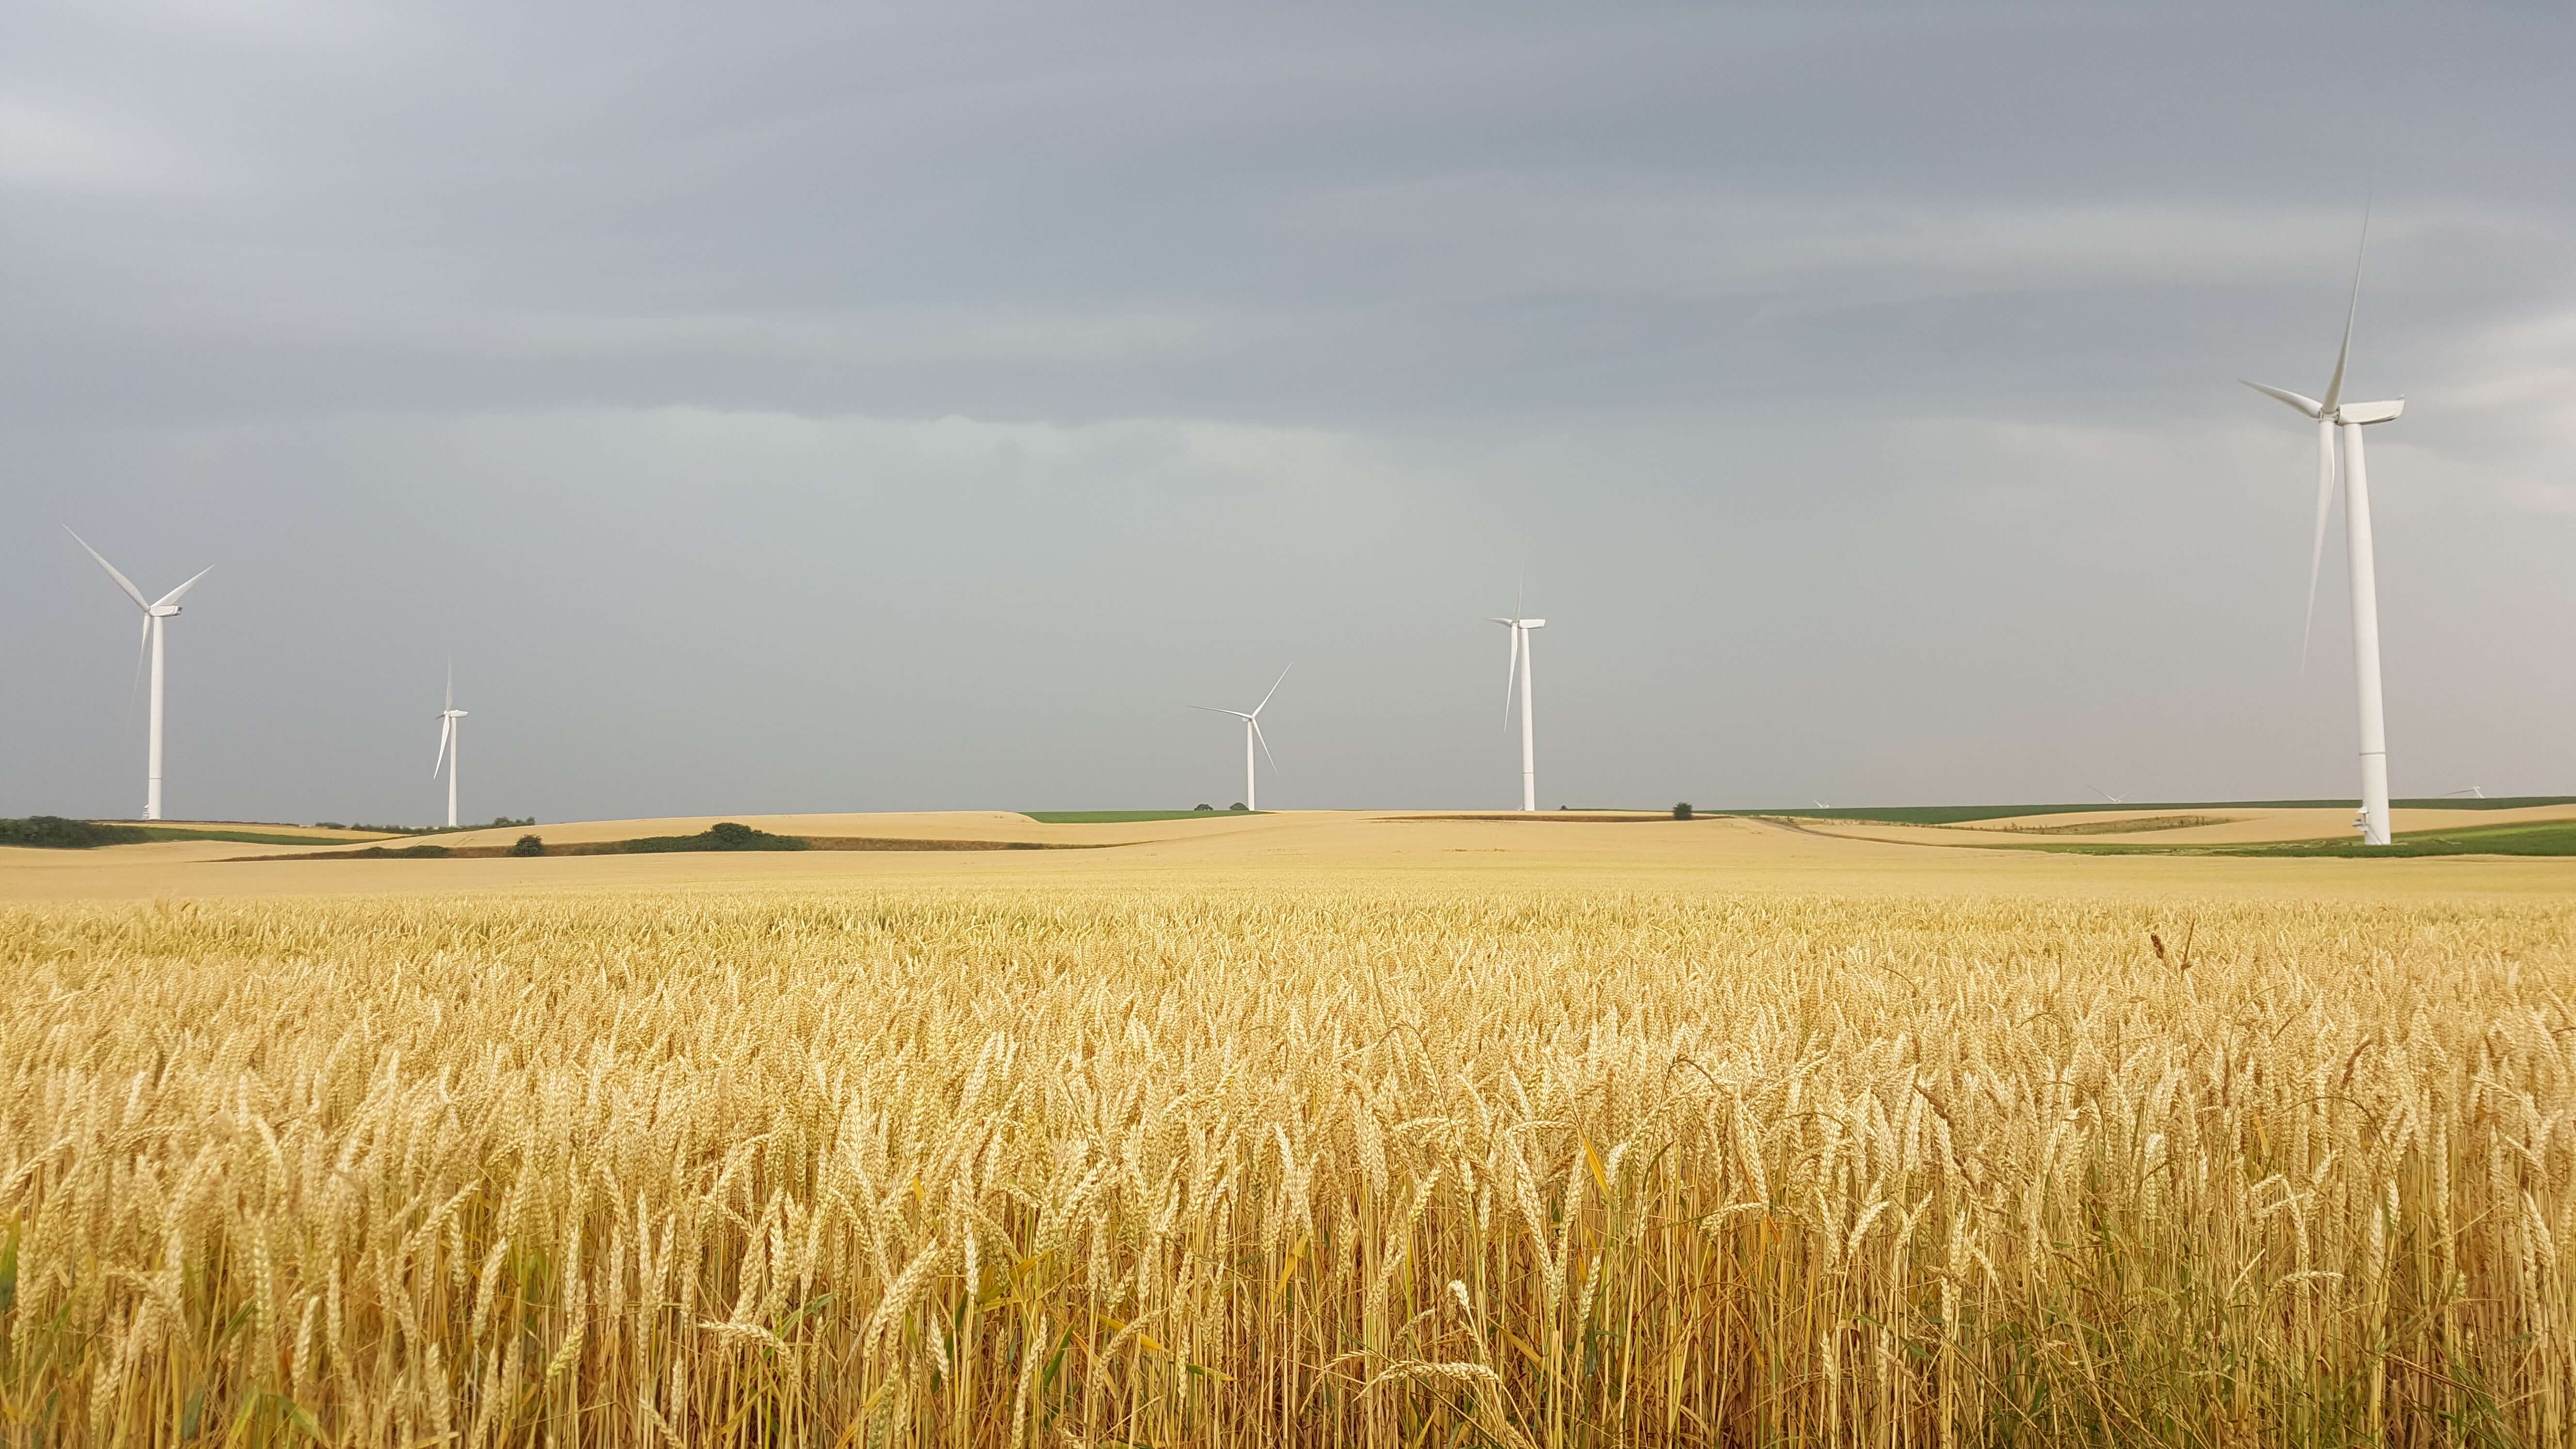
(943, 1166)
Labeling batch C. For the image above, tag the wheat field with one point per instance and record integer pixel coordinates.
(1299, 1164)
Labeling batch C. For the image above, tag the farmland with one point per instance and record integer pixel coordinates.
(1288, 1129)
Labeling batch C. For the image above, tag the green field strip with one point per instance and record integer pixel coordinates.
(1130, 817)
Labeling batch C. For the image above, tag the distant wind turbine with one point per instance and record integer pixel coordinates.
(448, 745)
(1517, 673)
(154, 612)
(1251, 734)
(2339, 419)
(2120, 799)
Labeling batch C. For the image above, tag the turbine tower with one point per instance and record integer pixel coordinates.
(1252, 733)
(154, 613)
(1518, 673)
(2341, 422)
(448, 745)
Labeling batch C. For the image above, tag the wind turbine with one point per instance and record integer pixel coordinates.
(154, 612)
(2120, 799)
(1517, 672)
(1251, 733)
(448, 745)
(2338, 420)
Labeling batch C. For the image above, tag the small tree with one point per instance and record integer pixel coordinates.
(528, 845)
(1238, 805)
(1208, 808)
(1682, 811)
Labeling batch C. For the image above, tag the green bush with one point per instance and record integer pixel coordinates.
(528, 845)
(1682, 811)
(1239, 805)
(53, 832)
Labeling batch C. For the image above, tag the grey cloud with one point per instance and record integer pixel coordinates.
(804, 405)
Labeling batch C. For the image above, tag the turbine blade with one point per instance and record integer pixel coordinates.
(2317, 543)
(2305, 404)
(142, 646)
(446, 728)
(122, 581)
(451, 684)
(1511, 671)
(2343, 354)
(172, 597)
(1274, 689)
(1212, 709)
(1265, 743)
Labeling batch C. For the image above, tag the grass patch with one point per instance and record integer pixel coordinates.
(499, 822)
(244, 837)
(2540, 837)
(53, 832)
(388, 852)
(724, 835)
(1129, 817)
(1962, 814)
(1918, 814)
(2495, 802)
(2120, 827)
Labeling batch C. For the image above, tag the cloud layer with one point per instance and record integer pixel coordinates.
(797, 408)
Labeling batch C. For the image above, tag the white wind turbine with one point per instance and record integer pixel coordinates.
(154, 612)
(1252, 733)
(1518, 673)
(2340, 420)
(448, 745)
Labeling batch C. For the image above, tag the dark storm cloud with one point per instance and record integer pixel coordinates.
(814, 406)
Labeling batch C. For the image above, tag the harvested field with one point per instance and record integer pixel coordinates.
(649, 845)
(1092, 1147)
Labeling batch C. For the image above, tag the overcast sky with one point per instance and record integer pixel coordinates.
(778, 407)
